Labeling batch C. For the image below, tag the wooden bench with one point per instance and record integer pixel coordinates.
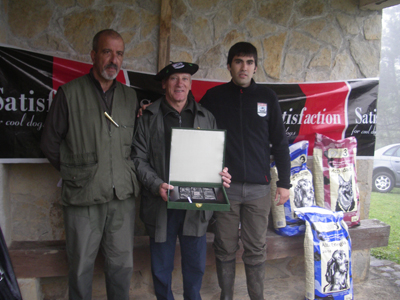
(37, 259)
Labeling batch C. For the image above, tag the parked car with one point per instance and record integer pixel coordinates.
(386, 173)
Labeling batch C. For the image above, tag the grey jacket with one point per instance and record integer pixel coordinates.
(148, 154)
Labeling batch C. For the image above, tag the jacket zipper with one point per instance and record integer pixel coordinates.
(111, 165)
(179, 118)
(242, 135)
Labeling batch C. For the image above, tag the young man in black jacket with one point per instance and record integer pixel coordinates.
(252, 117)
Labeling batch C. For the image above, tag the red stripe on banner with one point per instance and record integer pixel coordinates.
(200, 87)
(324, 112)
(65, 70)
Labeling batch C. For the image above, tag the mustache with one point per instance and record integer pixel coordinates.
(111, 65)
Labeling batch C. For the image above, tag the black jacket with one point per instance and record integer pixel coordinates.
(255, 130)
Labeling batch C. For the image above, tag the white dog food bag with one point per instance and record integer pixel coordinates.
(327, 252)
(335, 178)
(301, 193)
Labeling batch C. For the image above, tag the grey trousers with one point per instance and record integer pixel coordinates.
(253, 218)
(109, 227)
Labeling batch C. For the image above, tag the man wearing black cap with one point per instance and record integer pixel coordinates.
(151, 154)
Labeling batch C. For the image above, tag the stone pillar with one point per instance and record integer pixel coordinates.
(30, 288)
(5, 206)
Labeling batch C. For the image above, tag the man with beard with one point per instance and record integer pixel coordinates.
(87, 137)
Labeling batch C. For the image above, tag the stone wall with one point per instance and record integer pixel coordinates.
(5, 204)
(304, 40)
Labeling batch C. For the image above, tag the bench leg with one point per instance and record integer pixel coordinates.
(30, 288)
(360, 263)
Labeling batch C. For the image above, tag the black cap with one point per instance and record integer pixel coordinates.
(176, 67)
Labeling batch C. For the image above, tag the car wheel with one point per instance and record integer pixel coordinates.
(383, 182)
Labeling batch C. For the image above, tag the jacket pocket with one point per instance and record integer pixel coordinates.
(128, 184)
(126, 134)
(77, 179)
(206, 215)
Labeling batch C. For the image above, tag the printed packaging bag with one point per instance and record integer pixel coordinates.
(301, 193)
(335, 178)
(327, 252)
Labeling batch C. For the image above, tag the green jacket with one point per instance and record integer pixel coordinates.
(95, 154)
(148, 154)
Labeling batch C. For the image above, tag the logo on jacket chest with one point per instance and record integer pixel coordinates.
(262, 109)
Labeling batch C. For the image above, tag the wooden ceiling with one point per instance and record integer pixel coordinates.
(377, 4)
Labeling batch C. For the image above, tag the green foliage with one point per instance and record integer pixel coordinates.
(386, 208)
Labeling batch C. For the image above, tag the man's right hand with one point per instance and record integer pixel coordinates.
(163, 190)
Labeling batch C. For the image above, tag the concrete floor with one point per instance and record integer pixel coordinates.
(383, 282)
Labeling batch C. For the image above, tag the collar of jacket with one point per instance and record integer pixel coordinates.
(98, 85)
(167, 108)
(251, 87)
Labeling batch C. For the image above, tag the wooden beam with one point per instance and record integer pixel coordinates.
(164, 42)
(377, 4)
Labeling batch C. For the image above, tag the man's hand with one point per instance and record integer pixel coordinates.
(226, 177)
(282, 195)
(163, 190)
(142, 108)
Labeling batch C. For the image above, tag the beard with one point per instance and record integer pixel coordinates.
(106, 75)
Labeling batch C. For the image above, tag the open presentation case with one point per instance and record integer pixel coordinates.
(197, 157)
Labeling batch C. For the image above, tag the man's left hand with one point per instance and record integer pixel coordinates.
(226, 177)
(282, 195)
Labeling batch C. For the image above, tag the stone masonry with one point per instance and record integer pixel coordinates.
(303, 40)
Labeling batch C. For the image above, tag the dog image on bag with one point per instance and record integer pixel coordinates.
(303, 193)
(345, 201)
(335, 176)
(285, 221)
(336, 272)
(327, 254)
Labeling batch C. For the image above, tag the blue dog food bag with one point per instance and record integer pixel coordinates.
(285, 221)
(327, 252)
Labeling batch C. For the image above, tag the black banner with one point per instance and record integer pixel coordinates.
(28, 82)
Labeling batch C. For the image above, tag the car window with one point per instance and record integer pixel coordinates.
(391, 151)
(397, 152)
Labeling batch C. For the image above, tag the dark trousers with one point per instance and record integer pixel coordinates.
(253, 218)
(193, 255)
(109, 227)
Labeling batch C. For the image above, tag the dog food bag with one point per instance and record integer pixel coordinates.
(301, 193)
(278, 212)
(335, 178)
(327, 253)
